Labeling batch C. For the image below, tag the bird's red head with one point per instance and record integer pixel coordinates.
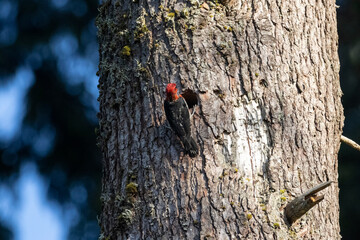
(171, 92)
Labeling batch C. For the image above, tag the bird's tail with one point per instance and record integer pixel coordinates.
(190, 146)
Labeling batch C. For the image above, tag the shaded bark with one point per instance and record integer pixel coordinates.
(267, 121)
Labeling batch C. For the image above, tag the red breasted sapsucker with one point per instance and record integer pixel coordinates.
(177, 114)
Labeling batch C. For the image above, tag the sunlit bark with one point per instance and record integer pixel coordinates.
(267, 119)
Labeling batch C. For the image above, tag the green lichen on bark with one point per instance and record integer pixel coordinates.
(126, 51)
(126, 218)
(131, 189)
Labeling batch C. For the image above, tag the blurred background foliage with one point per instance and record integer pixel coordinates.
(49, 49)
(349, 159)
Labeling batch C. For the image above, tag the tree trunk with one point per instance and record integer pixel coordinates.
(262, 78)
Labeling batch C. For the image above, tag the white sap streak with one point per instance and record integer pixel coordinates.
(251, 139)
(228, 142)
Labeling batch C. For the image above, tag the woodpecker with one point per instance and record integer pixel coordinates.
(177, 114)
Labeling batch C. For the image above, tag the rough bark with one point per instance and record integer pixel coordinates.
(268, 118)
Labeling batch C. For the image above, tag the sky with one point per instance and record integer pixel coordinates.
(32, 216)
(12, 98)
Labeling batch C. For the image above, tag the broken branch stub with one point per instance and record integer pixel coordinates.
(302, 204)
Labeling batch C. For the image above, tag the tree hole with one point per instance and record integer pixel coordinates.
(190, 97)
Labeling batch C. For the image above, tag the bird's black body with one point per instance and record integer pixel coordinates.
(177, 114)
